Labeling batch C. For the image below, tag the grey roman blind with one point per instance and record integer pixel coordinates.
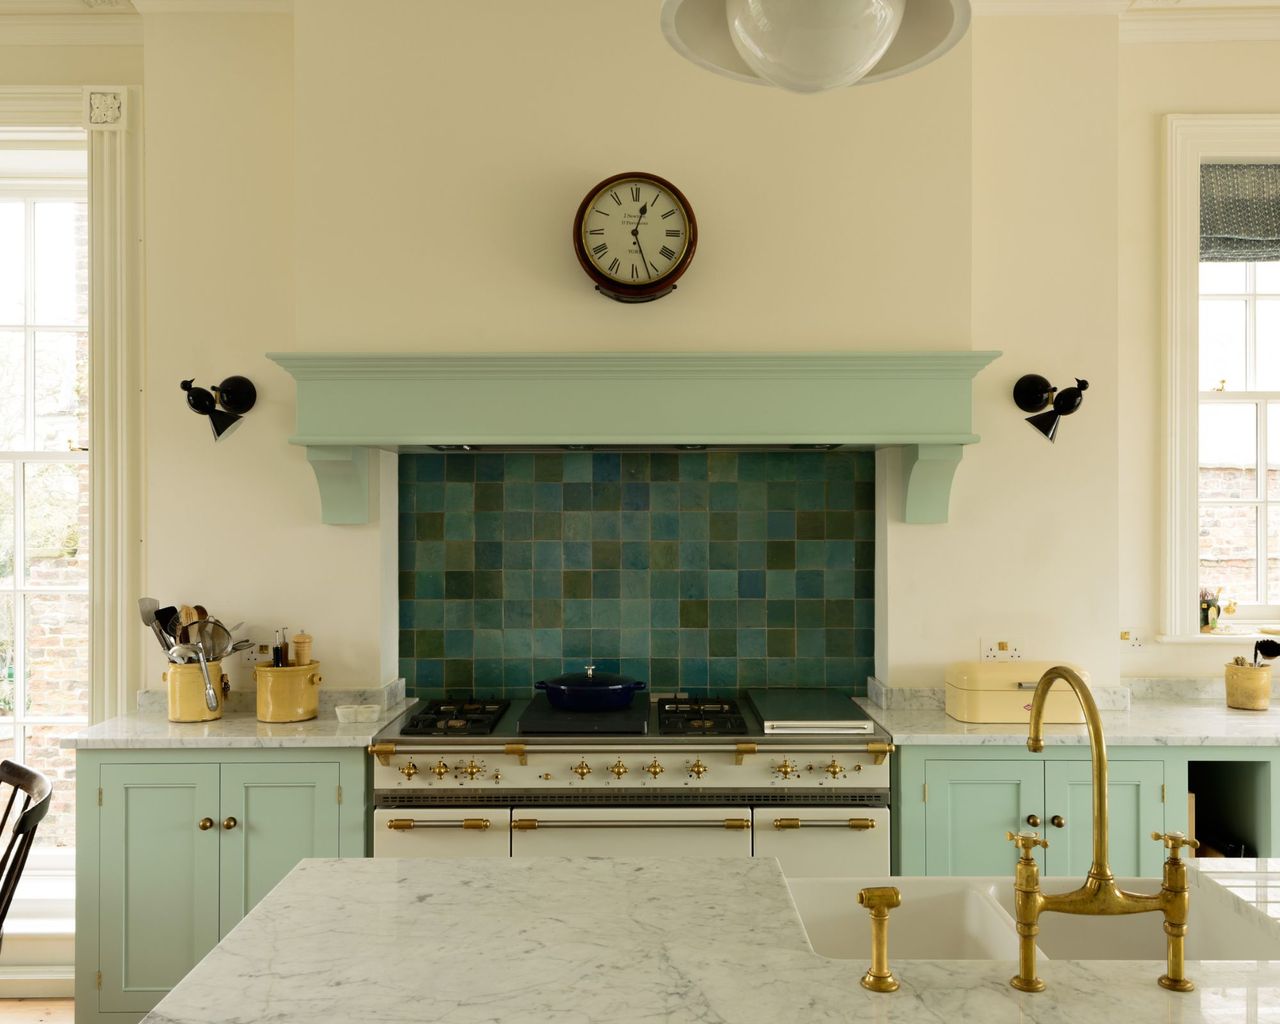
(1239, 212)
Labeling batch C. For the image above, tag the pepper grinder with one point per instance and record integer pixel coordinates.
(302, 648)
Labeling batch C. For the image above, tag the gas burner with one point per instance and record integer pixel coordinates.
(454, 718)
(712, 716)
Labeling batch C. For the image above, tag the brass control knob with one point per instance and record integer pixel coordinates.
(497, 776)
(1058, 821)
(618, 768)
(439, 769)
(698, 769)
(408, 770)
(472, 769)
(204, 824)
(834, 769)
(581, 769)
(229, 823)
(786, 769)
(654, 769)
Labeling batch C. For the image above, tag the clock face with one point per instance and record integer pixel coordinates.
(636, 230)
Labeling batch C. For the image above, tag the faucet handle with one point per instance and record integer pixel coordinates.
(1026, 841)
(1174, 842)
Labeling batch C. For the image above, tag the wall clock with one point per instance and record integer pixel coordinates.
(634, 235)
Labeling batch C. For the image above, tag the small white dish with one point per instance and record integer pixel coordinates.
(348, 712)
(368, 712)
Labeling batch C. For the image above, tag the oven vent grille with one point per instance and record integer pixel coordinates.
(507, 798)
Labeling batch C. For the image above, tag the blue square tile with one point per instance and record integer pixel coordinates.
(782, 525)
(459, 497)
(635, 643)
(693, 465)
(606, 583)
(841, 672)
(753, 466)
(547, 583)
(634, 615)
(547, 643)
(635, 585)
(663, 497)
(577, 467)
(635, 497)
(488, 673)
(517, 643)
(693, 586)
(751, 643)
(488, 526)
(810, 583)
(722, 584)
(664, 643)
(635, 555)
(429, 672)
(694, 555)
(489, 467)
(724, 497)
(428, 585)
(517, 585)
(839, 554)
(635, 526)
(517, 674)
(751, 583)
(459, 643)
(664, 585)
(811, 465)
(664, 525)
(548, 497)
(782, 671)
(693, 672)
(606, 526)
(664, 614)
(577, 643)
(840, 494)
(636, 668)
(518, 466)
(459, 615)
(577, 614)
(577, 555)
(605, 614)
(517, 616)
(694, 526)
(811, 671)
(548, 555)
(780, 584)
(606, 466)
(839, 583)
(606, 643)
(608, 664)
(723, 673)
(426, 467)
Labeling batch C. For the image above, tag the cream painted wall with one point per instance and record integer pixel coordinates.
(70, 65)
(1156, 80)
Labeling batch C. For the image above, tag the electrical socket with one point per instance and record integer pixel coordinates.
(258, 655)
(1130, 638)
(999, 650)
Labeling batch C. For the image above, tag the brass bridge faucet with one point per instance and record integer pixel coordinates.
(1099, 895)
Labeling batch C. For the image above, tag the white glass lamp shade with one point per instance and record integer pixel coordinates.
(814, 45)
(811, 45)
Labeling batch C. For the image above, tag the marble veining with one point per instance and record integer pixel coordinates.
(604, 940)
(925, 698)
(386, 696)
(1165, 723)
(150, 730)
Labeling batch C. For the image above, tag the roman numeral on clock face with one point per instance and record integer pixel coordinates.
(615, 198)
(613, 266)
(600, 231)
(635, 193)
(671, 232)
(600, 250)
(669, 213)
(667, 252)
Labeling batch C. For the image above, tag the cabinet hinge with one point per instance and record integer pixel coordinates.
(1162, 793)
(99, 796)
(99, 981)
(925, 795)
(339, 794)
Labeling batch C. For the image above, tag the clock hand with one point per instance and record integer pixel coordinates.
(635, 233)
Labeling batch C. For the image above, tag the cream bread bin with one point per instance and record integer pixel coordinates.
(1000, 691)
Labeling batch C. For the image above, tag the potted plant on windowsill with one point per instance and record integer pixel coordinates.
(1249, 686)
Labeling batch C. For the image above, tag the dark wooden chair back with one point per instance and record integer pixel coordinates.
(30, 811)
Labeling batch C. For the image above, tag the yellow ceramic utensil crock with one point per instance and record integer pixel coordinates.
(290, 694)
(186, 692)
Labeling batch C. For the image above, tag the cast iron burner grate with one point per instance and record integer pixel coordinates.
(708, 716)
(470, 717)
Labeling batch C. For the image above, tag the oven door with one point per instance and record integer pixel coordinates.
(630, 832)
(442, 832)
(824, 842)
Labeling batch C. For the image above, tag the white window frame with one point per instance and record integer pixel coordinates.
(1192, 140)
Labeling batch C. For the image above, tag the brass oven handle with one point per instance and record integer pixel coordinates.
(530, 824)
(405, 824)
(857, 824)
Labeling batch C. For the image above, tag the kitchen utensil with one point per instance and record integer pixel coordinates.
(186, 616)
(590, 690)
(215, 637)
(147, 607)
(165, 617)
(240, 645)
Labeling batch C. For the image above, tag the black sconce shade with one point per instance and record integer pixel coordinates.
(236, 395)
(1033, 393)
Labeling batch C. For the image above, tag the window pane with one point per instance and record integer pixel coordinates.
(1222, 344)
(13, 412)
(1273, 555)
(13, 271)
(43, 754)
(1228, 450)
(57, 655)
(62, 379)
(1267, 344)
(7, 535)
(7, 737)
(7, 655)
(61, 271)
(1266, 278)
(1219, 278)
(56, 516)
(1229, 551)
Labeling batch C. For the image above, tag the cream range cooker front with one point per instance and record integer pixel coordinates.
(820, 804)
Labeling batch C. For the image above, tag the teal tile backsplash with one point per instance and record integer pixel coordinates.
(702, 571)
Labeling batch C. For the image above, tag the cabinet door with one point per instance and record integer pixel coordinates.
(442, 832)
(969, 808)
(824, 842)
(158, 879)
(689, 833)
(1135, 811)
(283, 812)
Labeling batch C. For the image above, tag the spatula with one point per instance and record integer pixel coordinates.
(147, 608)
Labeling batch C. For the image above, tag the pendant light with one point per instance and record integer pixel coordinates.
(814, 45)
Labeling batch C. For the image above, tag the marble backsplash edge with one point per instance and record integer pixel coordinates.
(1118, 697)
(385, 696)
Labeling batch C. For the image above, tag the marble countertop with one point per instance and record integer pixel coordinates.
(1145, 723)
(586, 940)
(152, 730)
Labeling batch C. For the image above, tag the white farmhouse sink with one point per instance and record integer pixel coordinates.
(940, 919)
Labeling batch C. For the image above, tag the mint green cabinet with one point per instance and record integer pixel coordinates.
(953, 806)
(175, 847)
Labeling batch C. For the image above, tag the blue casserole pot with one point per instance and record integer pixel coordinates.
(590, 691)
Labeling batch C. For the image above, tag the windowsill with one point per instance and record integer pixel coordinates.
(1241, 633)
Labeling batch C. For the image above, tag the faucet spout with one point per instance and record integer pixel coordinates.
(1100, 868)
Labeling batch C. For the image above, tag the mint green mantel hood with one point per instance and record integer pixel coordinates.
(350, 403)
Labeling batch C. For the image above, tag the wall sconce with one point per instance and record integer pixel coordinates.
(235, 395)
(1034, 394)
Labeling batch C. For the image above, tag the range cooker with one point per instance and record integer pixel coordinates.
(676, 776)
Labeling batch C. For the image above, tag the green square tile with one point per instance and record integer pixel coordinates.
(635, 466)
(577, 644)
(548, 467)
(693, 465)
(752, 672)
(429, 526)
(722, 554)
(517, 643)
(840, 495)
(664, 585)
(488, 497)
(487, 585)
(664, 466)
(517, 584)
(517, 555)
(782, 672)
(428, 643)
(811, 643)
(488, 614)
(811, 614)
(780, 495)
(722, 585)
(635, 526)
(811, 525)
(664, 673)
(606, 554)
(576, 497)
(459, 643)
(489, 467)
(864, 584)
(780, 584)
(606, 614)
(428, 614)
(635, 497)
(664, 613)
(517, 675)
(548, 497)
(811, 465)
(577, 466)
(518, 496)
(488, 526)
(722, 673)
(635, 555)
(694, 555)
(458, 673)
(664, 497)
(723, 643)
(606, 583)
(547, 643)
(694, 495)
(664, 643)
(693, 675)
(840, 465)
(693, 643)
(780, 554)
(840, 526)
(752, 613)
(488, 674)
(459, 526)
(459, 467)
(693, 614)
(751, 554)
(576, 584)
(606, 643)
(518, 466)
(428, 497)
(753, 525)
(428, 585)
(723, 614)
(864, 644)
(753, 466)
(517, 615)
(634, 614)
(459, 498)
(577, 614)
(864, 496)
(664, 555)
(723, 497)
(722, 466)
(722, 526)
(548, 526)
(547, 613)
(693, 585)
(781, 525)
(634, 643)
(459, 585)
(577, 555)
(751, 643)
(694, 526)
(606, 526)
(753, 496)
(781, 643)
(635, 584)
(517, 525)
(811, 671)
(839, 643)
(606, 496)
(576, 526)
(864, 614)
(432, 556)
(406, 645)
(780, 614)
(407, 583)
(606, 466)
(548, 556)
(422, 467)
(839, 613)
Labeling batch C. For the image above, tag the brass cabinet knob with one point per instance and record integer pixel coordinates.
(581, 769)
(408, 770)
(834, 769)
(698, 769)
(1058, 821)
(786, 769)
(439, 769)
(654, 769)
(1033, 820)
(472, 769)
(205, 824)
(618, 768)
(229, 823)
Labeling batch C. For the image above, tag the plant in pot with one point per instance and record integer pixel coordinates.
(1249, 685)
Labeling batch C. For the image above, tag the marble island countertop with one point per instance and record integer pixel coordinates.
(1158, 723)
(585, 940)
(153, 730)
